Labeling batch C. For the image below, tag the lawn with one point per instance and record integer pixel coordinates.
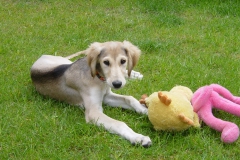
(185, 42)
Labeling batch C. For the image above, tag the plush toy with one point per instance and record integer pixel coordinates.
(216, 96)
(171, 110)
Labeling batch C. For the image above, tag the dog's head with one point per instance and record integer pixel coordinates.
(111, 59)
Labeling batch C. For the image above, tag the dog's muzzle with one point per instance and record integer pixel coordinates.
(117, 84)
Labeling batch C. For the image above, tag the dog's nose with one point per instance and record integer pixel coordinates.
(117, 84)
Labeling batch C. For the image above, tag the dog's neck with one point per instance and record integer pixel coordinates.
(102, 78)
(99, 73)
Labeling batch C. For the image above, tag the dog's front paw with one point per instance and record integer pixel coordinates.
(145, 141)
(137, 106)
(141, 109)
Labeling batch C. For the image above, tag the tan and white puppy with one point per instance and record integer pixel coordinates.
(87, 82)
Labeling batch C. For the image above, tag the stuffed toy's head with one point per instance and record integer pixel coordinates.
(171, 110)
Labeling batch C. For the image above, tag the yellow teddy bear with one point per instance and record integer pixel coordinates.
(171, 110)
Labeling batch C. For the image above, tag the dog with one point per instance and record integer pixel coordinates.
(88, 81)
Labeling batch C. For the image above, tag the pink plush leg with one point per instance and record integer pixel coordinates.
(223, 104)
(230, 131)
(225, 93)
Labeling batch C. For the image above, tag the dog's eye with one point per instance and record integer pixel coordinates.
(123, 61)
(106, 63)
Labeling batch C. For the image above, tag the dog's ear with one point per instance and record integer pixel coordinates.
(92, 56)
(133, 53)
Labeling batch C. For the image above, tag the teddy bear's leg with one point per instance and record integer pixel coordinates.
(225, 93)
(185, 119)
(221, 103)
(230, 131)
(164, 99)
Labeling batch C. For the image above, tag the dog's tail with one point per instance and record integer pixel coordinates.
(76, 54)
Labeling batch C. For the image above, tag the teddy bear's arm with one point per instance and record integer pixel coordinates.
(142, 100)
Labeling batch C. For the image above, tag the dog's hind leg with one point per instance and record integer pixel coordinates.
(48, 62)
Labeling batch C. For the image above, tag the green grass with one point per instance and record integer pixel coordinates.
(187, 42)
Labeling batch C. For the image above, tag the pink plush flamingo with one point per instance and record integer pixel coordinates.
(216, 96)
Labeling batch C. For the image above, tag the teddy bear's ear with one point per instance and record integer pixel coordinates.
(164, 99)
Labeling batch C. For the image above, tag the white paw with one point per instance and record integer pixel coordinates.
(135, 75)
(145, 141)
(141, 109)
(144, 111)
